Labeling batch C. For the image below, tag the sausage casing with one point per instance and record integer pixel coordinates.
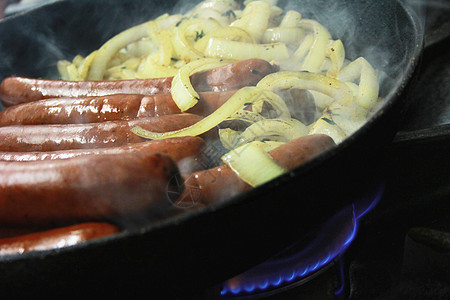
(220, 183)
(88, 188)
(177, 148)
(104, 108)
(56, 238)
(26, 138)
(15, 90)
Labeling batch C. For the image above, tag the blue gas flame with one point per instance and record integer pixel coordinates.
(282, 271)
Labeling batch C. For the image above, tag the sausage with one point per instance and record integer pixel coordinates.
(56, 238)
(220, 183)
(15, 90)
(28, 138)
(104, 108)
(177, 148)
(233, 76)
(107, 188)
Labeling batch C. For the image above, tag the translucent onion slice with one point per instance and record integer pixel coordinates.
(349, 118)
(326, 125)
(163, 39)
(148, 69)
(227, 33)
(229, 137)
(62, 65)
(271, 2)
(237, 50)
(182, 91)
(253, 164)
(186, 34)
(83, 68)
(316, 55)
(275, 16)
(291, 19)
(308, 81)
(210, 13)
(221, 6)
(287, 35)
(112, 46)
(336, 53)
(239, 100)
(254, 19)
(130, 64)
(276, 102)
(142, 47)
(278, 129)
(246, 115)
(303, 48)
(361, 70)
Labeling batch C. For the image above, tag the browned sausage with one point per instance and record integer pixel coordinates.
(56, 238)
(216, 184)
(178, 148)
(112, 188)
(15, 90)
(104, 108)
(233, 76)
(26, 138)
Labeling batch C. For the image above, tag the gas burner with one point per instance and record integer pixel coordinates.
(299, 264)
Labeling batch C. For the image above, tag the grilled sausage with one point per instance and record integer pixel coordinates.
(112, 188)
(177, 148)
(56, 238)
(15, 90)
(27, 138)
(216, 184)
(104, 108)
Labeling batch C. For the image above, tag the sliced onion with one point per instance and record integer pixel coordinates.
(316, 55)
(148, 69)
(229, 137)
(210, 13)
(271, 2)
(287, 35)
(326, 125)
(182, 91)
(254, 19)
(184, 48)
(361, 70)
(112, 46)
(349, 118)
(237, 50)
(162, 38)
(246, 115)
(83, 68)
(291, 19)
(253, 164)
(303, 48)
(141, 48)
(308, 81)
(62, 65)
(239, 100)
(336, 53)
(221, 6)
(278, 129)
(276, 102)
(227, 33)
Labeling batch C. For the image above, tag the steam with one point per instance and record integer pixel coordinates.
(381, 40)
